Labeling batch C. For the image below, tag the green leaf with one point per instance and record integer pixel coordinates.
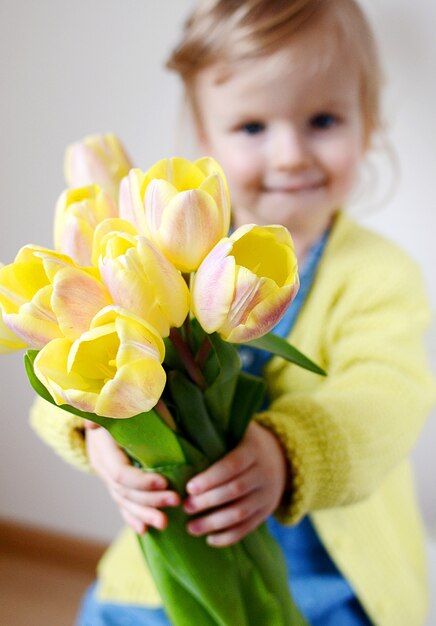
(250, 391)
(234, 585)
(181, 605)
(197, 424)
(210, 575)
(280, 347)
(225, 363)
(267, 558)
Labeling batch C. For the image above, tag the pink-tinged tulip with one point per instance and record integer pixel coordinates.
(246, 283)
(44, 296)
(78, 212)
(99, 159)
(131, 199)
(77, 297)
(114, 369)
(140, 279)
(183, 207)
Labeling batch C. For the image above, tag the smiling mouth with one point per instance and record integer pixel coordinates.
(294, 189)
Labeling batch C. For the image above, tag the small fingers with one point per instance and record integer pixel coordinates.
(132, 521)
(226, 518)
(240, 486)
(233, 464)
(148, 516)
(129, 477)
(153, 498)
(234, 534)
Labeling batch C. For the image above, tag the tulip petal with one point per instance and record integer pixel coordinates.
(213, 287)
(112, 313)
(189, 229)
(215, 187)
(180, 173)
(132, 291)
(51, 368)
(136, 388)
(94, 354)
(267, 251)
(19, 282)
(76, 240)
(138, 341)
(264, 316)
(157, 197)
(9, 341)
(171, 290)
(106, 227)
(35, 321)
(77, 297)
(131, 203)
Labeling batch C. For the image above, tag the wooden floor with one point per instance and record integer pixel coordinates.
(43, 575)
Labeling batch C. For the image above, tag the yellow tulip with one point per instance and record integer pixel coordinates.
(9, 341)
(78, 212)
(99, 159)
(182, 206)
(44, 296)
(246, 283)
(114, 369)
(140, 279)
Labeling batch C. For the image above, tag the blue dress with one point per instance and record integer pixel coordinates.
(323, 595)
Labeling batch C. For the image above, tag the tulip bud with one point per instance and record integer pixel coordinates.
(99, 159)
(114, 369)
(140, 279)
(78, 212)
(183, 207)
(246, 283)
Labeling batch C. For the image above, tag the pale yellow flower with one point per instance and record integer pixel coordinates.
(246, 283)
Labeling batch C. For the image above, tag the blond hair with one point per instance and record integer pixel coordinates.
(228, 31)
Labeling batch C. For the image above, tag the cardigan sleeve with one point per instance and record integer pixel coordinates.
(343, 435)
(62, 431)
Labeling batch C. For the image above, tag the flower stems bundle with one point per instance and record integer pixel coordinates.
(131, 323)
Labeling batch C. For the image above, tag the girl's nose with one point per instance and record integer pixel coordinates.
(289, 150)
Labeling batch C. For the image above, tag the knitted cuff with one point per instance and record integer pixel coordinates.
(62, 431)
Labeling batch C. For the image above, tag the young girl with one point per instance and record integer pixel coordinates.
(285, 95)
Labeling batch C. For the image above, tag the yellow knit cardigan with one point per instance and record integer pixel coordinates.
(347, 436)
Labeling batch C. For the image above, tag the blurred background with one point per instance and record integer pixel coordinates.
(68, 69)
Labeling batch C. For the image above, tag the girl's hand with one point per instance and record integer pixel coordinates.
(243, 489)
(139, 495)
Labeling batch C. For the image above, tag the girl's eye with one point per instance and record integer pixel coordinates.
(323, 121)
(253, 128)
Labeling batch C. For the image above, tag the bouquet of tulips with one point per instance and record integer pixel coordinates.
(131, 320)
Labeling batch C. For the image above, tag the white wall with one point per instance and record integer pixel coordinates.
(69, 69)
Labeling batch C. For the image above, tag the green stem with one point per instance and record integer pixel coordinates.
(187, 359)
(165, 414)
(187, 332)
(203, 352)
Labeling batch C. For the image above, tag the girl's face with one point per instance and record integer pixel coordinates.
(288, 131)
